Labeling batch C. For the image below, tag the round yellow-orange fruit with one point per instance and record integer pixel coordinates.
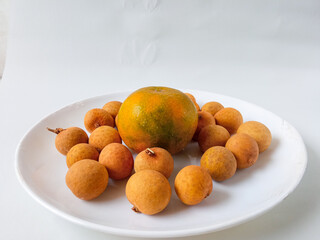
(193, 184)
(87, 179)
(157, 117)
(148, 191)
(220, 163)
(259, 132)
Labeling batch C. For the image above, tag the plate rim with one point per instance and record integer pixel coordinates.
(170, 233)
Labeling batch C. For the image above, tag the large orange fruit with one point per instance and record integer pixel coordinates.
(157, 117)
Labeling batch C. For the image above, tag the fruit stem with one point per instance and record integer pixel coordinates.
(135, 209)
(150, 152)
(56, 131)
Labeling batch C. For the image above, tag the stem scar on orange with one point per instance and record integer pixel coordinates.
(157, 117)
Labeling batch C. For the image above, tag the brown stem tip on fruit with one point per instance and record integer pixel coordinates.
(135, 209)
(56, 131)
(150, 152)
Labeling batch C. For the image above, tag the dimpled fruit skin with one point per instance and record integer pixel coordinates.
(212, 107)
(97, 117)
(160, 161)
(102, 136)
(193, 184)
(259, 132)
(229, 118)
(244, 148)
(117, 159)
(220, 163)
(157, 117)
(212, 135)
(87, 179)
(148, 191)
(81, 151)
(66, 139)
(112, 108)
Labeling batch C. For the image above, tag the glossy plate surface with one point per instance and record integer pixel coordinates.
(249, 193)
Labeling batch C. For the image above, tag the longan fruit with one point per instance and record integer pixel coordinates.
(67, 138)
(155, 158)
(229, 118)
(259, 132)
(193, 184)
(212, 135)
(193, 99)
(117, 159)
(220, 163)
(112, 108)
(81, 151)
(148, 191)
(244, 148)
(97, 117)
(204, 119)
(87, 179)
(102, 136)
(212, 107)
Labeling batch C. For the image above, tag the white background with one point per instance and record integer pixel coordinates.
(59, 52)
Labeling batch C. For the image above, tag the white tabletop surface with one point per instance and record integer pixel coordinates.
(60, 52)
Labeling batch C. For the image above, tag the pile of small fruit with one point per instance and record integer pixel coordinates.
(157, 122)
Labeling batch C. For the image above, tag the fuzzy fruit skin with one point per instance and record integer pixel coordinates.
(87, 179)
(259, 132)
(97, 117)
(148, 191)
(212, 107)
(204, 119)
(102, 136)
(212, 135)
(81, 151)
(244, 148)
(157, 117)
(112, 108)
(160, 160)
(229, 118)
(117, 159)
(220, 163)
(69, 137)
(193, 184)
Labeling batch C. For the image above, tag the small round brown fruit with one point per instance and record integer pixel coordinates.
(81, 151)
(193, 184)
(212, 135)
(259, 132)
(67, 138)
(112, 108)
(154, 158)
(229, 118)
(87, 179)
(204, 119)
(244, 148)
(102, 136)
(193, 99)
(212, 107)
(148, 191)
(97, 117)
(117, 159)
(220, 163)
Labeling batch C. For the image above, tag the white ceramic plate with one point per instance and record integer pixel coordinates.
(249, 193)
